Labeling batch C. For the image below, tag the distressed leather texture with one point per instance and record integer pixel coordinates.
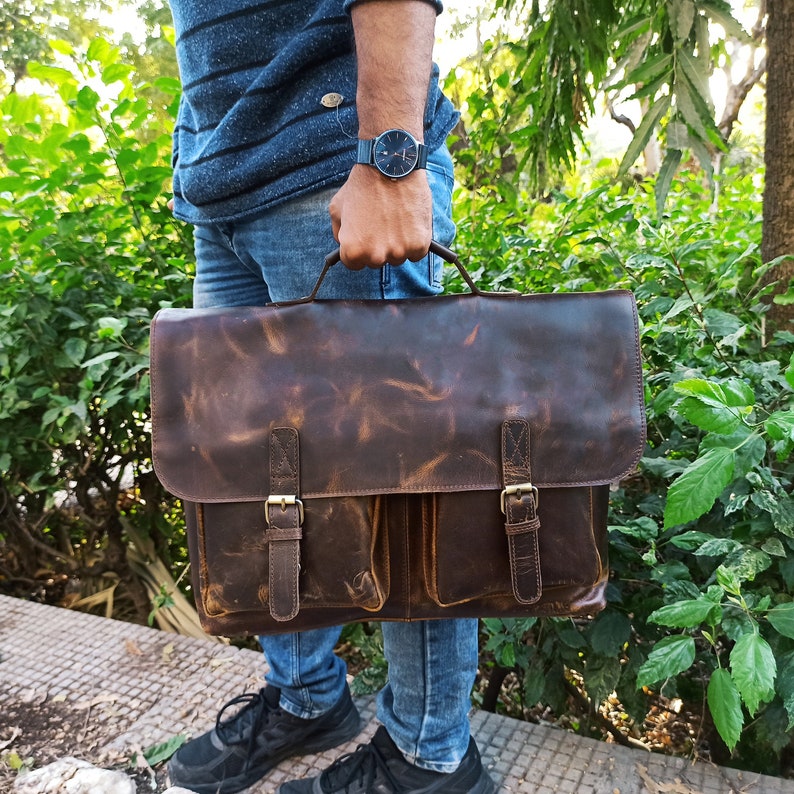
(396, 426)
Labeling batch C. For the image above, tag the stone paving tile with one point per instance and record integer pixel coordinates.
(120, 688)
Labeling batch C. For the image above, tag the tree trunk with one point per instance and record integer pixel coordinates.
(778, 231)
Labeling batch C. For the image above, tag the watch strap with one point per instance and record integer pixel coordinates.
(364, 151)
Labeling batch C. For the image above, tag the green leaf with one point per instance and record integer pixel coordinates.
(698, 79)
(101, 358)
(508, 655)
(780, 425)
(750, 448)
(738, 393)
(609, 632)
(783, 516)
(728, 580)
(774, 546)
(689, 541)
(116, 71)
(725, 706)
(782, 619)
(164, 750)
(632, 25)
(61, 46)
(682, 15)
(75, 349)
(664, 178)
(720, 12)
(685, 614)
(601, 677)
(753, 667)
(643, 134)
(168, 85)
(750, 563)
(711, 418)
(651, 68)
(111, 327)
(718, 547)
(696, 490)
(49, 74)
(669, 657)
(730, 393)
(695, 110)
(677, 135)
(100, 50)
(784, 685)
(789, 373)
(87, 98)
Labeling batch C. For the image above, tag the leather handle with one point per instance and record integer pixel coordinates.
(445, 253)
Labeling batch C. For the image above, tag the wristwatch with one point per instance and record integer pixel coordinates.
(395, 153)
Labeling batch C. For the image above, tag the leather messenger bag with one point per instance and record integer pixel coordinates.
(447, 456)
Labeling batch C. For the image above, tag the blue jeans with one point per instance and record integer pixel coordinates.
(432, 664)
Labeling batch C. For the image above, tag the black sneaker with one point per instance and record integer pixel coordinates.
(244, 747)
(380, 768)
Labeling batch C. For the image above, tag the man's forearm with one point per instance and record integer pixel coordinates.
(376, 219)
(394, 51)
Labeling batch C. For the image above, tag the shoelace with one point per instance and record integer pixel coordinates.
(246, 723)
(361, 765)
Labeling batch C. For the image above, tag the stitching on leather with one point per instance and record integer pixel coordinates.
(294, 549)
(377, 525)
(283, 455)
(204, 574)
(534, 574)
(518, 443)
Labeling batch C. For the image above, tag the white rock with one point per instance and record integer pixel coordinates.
(178, 790)
(73, 776)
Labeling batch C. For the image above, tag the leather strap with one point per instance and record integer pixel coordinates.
(520, 504)
(284, 514)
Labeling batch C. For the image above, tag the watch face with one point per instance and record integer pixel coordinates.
(396, 153)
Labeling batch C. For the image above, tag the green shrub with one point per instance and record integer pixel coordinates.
(702, 538)
(88, 252)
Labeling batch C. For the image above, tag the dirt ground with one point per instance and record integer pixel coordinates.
(35, 734)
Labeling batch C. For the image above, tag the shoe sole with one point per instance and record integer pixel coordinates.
(349, 728)
(485, 785)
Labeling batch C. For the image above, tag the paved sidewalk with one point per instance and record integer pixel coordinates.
(102, 689)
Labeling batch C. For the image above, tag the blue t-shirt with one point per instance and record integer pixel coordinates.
(252, 129)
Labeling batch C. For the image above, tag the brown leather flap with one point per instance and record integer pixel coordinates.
(396, 396)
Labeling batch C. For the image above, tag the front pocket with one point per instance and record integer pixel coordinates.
(467, 555)
(343, 560)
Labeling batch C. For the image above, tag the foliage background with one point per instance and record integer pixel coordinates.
(702, 538)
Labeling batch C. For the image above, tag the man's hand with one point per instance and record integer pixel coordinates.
(376, 220)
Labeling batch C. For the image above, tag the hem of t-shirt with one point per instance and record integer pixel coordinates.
(200, 218)
(437, 4)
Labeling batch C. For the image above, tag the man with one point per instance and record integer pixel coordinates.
(283, 106)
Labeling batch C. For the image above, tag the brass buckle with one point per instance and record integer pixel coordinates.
(516, 490)
(282, 501)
